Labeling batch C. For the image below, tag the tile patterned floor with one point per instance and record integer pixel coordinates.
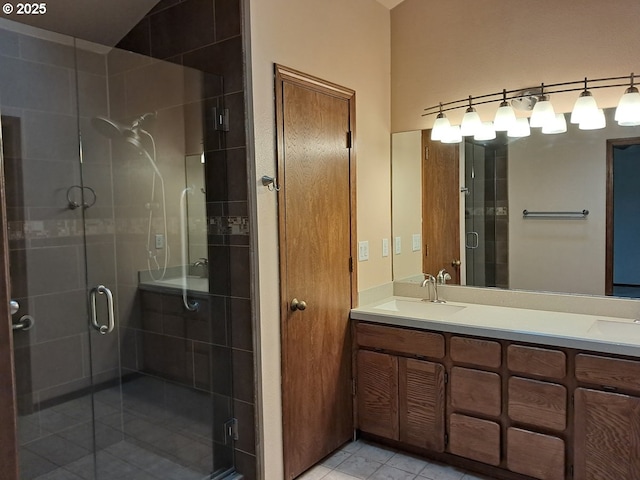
(361, 460)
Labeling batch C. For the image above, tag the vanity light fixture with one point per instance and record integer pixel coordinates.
(519, 129)
(628, 111)
(594, 123)
(505, 115)
(558, 125)
(452, 135)
(485, 132)
(440, 126)
(585, 112)
(471, 122)
(585, 109)
(543, 113)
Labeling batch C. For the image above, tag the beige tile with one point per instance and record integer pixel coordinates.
(390, 473)
(336, 475)
(407, 463)
(434, 471)
(336, 459)
(375, 452)
(315, 473)
(358, 466)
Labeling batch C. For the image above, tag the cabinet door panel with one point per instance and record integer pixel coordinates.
(475, 439)
(610, 372)
(537, 361)
(538, 403)
(421, 403)
(534, 454)
(482, 353)
(401, 340)
(476, 391)
(377, 395)
(607, 436)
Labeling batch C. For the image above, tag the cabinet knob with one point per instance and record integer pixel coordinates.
(298, 304)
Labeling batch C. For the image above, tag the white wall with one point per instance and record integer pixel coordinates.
(447, 50)
(407, 202)
(348, 43)
(565, 172)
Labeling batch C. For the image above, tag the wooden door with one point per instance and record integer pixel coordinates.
(607, 436)
(314, 121)
(440, 207)
(8, 441)
(421, 403)
(377, 396)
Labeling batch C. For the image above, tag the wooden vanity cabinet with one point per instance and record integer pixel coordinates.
(397, 397)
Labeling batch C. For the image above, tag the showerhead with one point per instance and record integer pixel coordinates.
(109, 128)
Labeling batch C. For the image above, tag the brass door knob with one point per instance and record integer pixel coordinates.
(298, 304)
(455, 263)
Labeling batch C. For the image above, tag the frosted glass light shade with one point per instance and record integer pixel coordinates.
(485, 132)
(440, 126)
(452, 135)
(505, 118)
(559, 125)
(543, 113)
(471, 123)
(594, 123)
(519, 129)
(628, 110)
(584, 109)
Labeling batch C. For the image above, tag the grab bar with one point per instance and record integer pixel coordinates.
(528, 214)
(102, 290)
(191, 305)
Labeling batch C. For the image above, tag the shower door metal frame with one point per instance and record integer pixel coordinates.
(8, 412)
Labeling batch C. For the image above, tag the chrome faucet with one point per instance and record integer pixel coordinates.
(431, 280)
(442, 277)
(204, 264)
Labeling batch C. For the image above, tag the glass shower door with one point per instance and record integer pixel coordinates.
(118, 374)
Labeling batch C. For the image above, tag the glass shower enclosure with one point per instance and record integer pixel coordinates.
(122, 363)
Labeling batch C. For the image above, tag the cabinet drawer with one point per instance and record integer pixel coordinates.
(538, 403)
(401, 340)
(534, 454)
(482, 353)
(475, 391)
(537, 361)
(474, 438)
(608, 372)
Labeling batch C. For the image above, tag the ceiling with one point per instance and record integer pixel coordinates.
(103, 22)
(390, 3)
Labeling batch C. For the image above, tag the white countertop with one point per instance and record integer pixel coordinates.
(586, 332)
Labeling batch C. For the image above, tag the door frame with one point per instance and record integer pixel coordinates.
(8, 426)
(611, 144)
(284, 75)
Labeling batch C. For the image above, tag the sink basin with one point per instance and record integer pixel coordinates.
(417, 308)
(628, 330)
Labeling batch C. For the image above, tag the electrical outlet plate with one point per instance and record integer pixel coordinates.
(398, 245)
(159, 240)
(415, 242)
(363, 251)
(385, 247)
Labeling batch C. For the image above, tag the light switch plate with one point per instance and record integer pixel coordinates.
(398, 245)
(385, 247)
(363, 251)
(416, 240)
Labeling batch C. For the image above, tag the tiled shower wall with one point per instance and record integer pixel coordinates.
(207, 35)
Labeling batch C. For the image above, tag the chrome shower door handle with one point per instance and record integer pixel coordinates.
(102, 290)
(15, 306)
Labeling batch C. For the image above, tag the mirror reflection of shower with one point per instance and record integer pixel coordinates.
(135, 135)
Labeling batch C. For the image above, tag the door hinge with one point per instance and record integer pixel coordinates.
(354, 387)
(221, 119)
(446, 439)
(446, 378)
(426, 153)
(349, 139)
(230, 430)
(351, 264)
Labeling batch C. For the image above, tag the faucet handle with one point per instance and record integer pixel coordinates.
(443, 276)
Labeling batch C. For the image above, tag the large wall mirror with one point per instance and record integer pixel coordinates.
(498, 180)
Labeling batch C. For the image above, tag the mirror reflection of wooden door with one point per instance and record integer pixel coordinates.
(440, 207)
(314, 119)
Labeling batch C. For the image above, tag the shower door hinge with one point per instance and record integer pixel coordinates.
(348, 139)
(230, 430)
(221, 119)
